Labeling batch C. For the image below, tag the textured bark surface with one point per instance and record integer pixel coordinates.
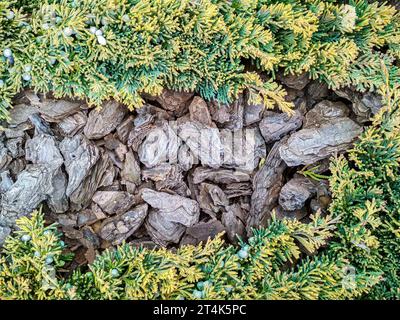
(177, 170)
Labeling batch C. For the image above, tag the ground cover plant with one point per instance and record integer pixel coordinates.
(127, 50)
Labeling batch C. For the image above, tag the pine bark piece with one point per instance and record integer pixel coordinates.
(204, 142)
(219, 176)
(173, 100)
(114, 202)
(234, 221)
(121, 227)
(296, 192)
(102, 122)
(276, 125)
(170, 217)
(253, 113)
(267, 184)
(43, 149)
(124, 129)
(212, 199)
(326, 131)
(53, 110)
(5, 158)
(80, 156)
(130, 172)
(199, 112)
(167, 177)
(160, 145)
(72, 124)
(364, 105)
(20, 113)
(34, 185)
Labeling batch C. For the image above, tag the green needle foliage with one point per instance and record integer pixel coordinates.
(101, 49)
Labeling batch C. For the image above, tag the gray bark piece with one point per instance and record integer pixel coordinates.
(243, 150)
(5, 159)
(199, 112)
(43, 149)
(57, 200)
(324, 112)
(326, 131)
(16, 147)
(124, 129)
(224, 176)
(296, 192)
(114, 202)
(80, 156)
(186, 158)
(275, 125)
(167, 177)
(309, 145)
(81, 197)
(173, 213)
(253, 113)
(130, 170)
(41, 126)
(20, 113)
(121, 227)
(204, 142)
(267, 184)
(53, 110)
(212, 199)
(34, 185)
(234, 221)
(4, 233)
(154, 149)
(364, 105)
(72, 124)
(238, 189)
(161, 145)
(102, 122)
(5, 182)
(173, 100)
(137, 135)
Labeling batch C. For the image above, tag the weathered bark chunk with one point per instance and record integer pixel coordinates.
(130, 170)
(199, 112)
(234, 221)
(80, 156)
(297, 82)
(72, 124)
(276, 125)
(121, 227)
(212, 199)
(161, 145)
(267, 184)
(225, 176)
(53, 110)
(253, 113)
(102, 122)
(296, 192)
(167, 177)
(326, 132)
(171, 216)
(173, 100)
(364, 105)
(114, 202)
